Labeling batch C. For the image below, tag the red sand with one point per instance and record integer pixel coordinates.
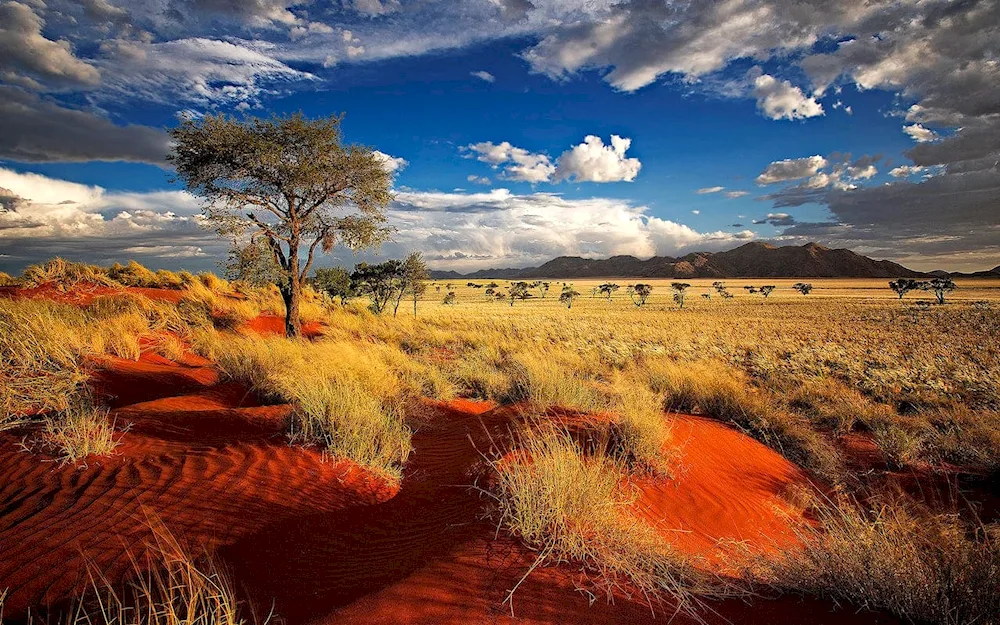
(272, 325)
(83, 294)
(728, 487)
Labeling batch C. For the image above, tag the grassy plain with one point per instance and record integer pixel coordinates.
(800, 373)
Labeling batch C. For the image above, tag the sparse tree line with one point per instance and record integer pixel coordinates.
(939, 286)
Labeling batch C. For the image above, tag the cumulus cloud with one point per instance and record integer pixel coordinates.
(478, 179)
(791, 169)
(51, 217)
(706, 190)
(36, 130)
(392, 164)
(484, 75)
(920, 134)
(469, 231)
(26, 54)
(592, 161)
(779, 99)
(518, 164)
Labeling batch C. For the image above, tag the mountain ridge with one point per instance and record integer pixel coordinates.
(754, 259)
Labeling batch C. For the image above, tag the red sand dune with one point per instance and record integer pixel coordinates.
(727, 487)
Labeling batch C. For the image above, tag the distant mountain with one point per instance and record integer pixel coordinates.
(756, 260)
(989, 273)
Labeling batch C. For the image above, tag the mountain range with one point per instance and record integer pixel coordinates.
(757, 260)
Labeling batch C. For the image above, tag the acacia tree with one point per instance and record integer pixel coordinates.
(680, 289)
(939, 286)
(287, 184)
(639, 293)
(903, 286)
(414, 278)
(518, 290)
(568, 295)
(380, 282)
(607, 289)
(803, 287)
(766, 290)
(335, 282)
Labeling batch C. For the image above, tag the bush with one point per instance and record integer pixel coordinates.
(571, 509)
(64, 274)
(923, 567)
(78, 433)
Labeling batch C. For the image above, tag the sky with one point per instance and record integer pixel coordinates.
(521, 130)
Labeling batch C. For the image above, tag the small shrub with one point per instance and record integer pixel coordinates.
(923, 567)
(65, 274)
(574, 509)
(80, 432)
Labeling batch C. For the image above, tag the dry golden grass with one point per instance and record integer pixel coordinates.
(82, 431)
(167, 586)
(575, 509)
(922, 567)
(353, 410)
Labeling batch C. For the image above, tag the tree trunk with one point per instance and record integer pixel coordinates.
(292, 294)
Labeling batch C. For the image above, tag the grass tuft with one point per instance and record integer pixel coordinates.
(569, 508)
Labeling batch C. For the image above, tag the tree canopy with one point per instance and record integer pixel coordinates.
(287, 185)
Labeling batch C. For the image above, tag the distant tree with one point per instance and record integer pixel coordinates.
(680, 289)
(903, 286)
(727, 295)
(751, 289)
(706, 296)
(639, 293)
(542, 287)
(335, 282)
(286, 183)
(594, 291)
(492, 285)
(939, 286)
(437, 287)
(413, 280)
(766, 290)
(567, 295)
(379, 282)
(803, 287)
(607, 289)
(518, 290)
(450, 299)
(719, 287)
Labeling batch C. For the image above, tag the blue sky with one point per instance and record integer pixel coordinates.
(518, 130)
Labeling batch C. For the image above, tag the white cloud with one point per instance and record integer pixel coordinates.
(25, 50)
(791, 169)
(478, 179)
(518, 164)
(592, 161)
(779, 99)
(392, 164)
(202, 71)
(920, 134)
(469, 231)
(55, 217)
(373, 8)
(707, 190)
(736, 194)
(484, 75)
